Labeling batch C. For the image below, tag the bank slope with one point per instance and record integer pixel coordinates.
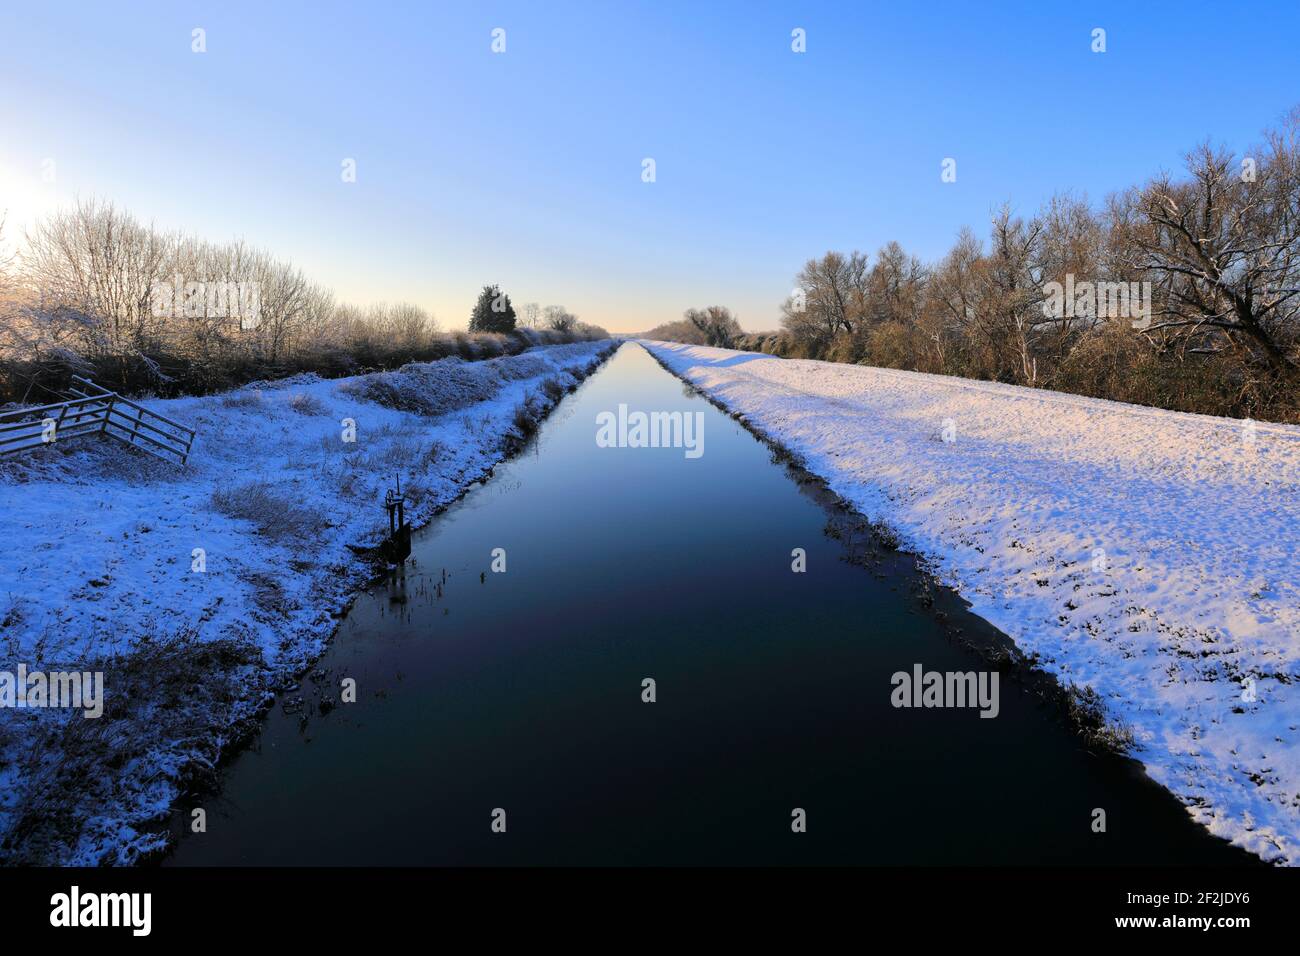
(197, 591)
(1151, 555)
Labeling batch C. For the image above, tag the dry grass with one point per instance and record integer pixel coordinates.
(242, 399)
(1087, 713)
(528, 415)
(276, 515)
(554, 389)
(174, 704)
(305, 404)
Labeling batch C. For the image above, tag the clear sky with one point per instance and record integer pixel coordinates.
(525, 167)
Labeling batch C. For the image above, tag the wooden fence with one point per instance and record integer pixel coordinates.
(91, 409)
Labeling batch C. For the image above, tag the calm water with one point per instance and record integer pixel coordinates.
(523, 690)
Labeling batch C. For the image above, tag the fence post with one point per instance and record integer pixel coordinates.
(108, 413)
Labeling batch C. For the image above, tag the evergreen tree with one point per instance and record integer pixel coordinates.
(492, 312)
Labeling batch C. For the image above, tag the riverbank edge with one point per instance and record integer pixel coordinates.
(151, 838)
(1101, 732)
(372, 569)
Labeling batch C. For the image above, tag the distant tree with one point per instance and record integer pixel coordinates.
(560, 319)
(716, 323)
(679, 331)
(492, 312)
(404, 325)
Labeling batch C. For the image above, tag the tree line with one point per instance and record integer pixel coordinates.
(1182, 292)
(92, 291)
(494, 312)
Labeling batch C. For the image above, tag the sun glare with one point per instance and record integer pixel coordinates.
(26, 196)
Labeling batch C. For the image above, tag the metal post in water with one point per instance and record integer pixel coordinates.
(398, 546)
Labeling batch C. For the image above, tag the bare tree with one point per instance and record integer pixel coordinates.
(96, 291)
(560, 319)
(895, 286)
(1010, 314)
(831, 297)
(679, 331)
(716, 324)
(952, 301)
(1224, 249)
(1219, 247)
(97, 265)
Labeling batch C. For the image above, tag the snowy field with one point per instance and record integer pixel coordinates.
(239, 563)
(1153, 556)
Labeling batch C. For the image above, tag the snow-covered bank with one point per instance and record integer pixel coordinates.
(197, 590)
(1151, 555)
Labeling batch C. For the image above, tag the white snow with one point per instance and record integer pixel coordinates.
(97, 542)
(1151, 555)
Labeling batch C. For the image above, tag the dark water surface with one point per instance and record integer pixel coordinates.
(523, 690)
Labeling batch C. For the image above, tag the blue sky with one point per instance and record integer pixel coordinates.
(524, 168)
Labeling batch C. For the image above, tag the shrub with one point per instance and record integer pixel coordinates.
(1088, 714)
(528, 416)
(305, 404)
(428, 388)
(465, 346)
(242, 399)
(554, 389)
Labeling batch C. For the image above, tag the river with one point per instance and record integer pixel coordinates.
(522, 690)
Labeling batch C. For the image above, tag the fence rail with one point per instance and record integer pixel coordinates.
(91, 409)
